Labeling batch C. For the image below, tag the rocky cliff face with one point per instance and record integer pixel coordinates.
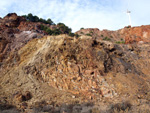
(95, 72)
(15, 32)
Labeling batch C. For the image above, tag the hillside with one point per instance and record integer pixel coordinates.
(91, 72)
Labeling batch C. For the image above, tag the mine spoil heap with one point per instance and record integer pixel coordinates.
(93, 71)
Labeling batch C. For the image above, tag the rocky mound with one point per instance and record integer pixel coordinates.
(95, 72)
(79, 65)
(126, 35)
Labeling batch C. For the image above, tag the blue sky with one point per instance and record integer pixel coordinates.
(102, 14)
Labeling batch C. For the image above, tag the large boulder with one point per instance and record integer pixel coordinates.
(12, 20)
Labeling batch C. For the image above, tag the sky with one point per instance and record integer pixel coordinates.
(102, 14)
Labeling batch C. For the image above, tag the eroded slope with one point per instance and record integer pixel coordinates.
(79, 69)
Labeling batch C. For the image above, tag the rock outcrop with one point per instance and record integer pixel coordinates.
(128, 34)
(12, 20)
(60, 73)
(136, 34)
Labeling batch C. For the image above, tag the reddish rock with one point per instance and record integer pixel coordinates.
(128, 34)
(12, 20)
(136, 34)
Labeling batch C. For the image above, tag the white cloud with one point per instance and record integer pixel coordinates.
(102, 14)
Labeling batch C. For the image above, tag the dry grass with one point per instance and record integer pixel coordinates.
(95, 110)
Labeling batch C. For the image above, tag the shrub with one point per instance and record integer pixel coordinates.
(122, 39)
(81, 32)
(106, 38)
(71, 34)
(49, 31)
(49, 21)
(63, 28)
(35, 18)
(42, 27)
(91, 32)
(120, 42)
(76, 35)
(111, 36)
(56, 32)
(88, 34)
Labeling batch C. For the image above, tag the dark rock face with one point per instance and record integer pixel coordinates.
(12, 20)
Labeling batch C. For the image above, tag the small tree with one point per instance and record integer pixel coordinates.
(49, 21)
(30, 17)
(50, 32)
(56, 32)
(63, 28)
(35, 19)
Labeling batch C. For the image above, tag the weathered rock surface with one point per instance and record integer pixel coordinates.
(127, 34)
(91, 73)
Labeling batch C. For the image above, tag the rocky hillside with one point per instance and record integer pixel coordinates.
(91, 72)
(126, 35)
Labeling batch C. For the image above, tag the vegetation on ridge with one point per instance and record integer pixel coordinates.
(61, 28)
(32, 18)
(106, 38)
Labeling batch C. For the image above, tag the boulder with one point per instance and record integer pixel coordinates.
(12, 20)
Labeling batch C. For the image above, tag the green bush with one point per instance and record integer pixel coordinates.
(49, 21)
(63, 28)
(49, 31)
(76, 35)
(32, 18)
(42, 27)
(91, 32)
(106, 38)
(120, 42)
(122, 39)
(71, 34)
(56, 32)
(81, 33)
(88, 34)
